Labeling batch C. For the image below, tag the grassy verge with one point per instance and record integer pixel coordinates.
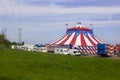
(22, 65)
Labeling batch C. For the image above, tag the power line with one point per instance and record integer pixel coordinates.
(19, 16)
(12, 12)
(6, 11)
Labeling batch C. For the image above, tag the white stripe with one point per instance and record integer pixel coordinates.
(94, 52)
(62, 40)
(80, 50)
(91, 52)
(81, 47)
(70, 39)
(78, 40)
(85, 48)
(92, 39)
(84, 51)
(87, 41)
(91, 48)
(88, 48)
(88, 51)
(94, 48)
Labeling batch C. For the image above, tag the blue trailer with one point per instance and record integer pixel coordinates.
(105, 49)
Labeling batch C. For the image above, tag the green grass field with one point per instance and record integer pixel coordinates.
(22, 65)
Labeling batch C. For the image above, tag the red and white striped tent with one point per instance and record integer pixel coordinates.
(79, 35)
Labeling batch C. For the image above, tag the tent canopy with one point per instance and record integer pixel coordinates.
(78, 35)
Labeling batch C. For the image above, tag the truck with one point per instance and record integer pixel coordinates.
(105, 49)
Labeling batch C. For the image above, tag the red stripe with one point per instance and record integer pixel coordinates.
(83, 43)
(96, 40)
(65, 40)
(91, 41)
(73, 40)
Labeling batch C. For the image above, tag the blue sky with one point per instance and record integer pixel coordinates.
(43, 21)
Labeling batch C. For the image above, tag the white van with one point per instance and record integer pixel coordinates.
(66, 51)
(74, 52)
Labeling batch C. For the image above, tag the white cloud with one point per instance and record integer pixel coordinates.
(32, 26)
(26, 10)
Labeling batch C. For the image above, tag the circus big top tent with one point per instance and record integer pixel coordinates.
(78, 35)
(81, 36)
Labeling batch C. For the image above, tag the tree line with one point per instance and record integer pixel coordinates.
(5, 42)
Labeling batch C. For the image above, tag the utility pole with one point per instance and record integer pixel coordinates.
(20, 40)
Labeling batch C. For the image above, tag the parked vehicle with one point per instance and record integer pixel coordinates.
(61, 51)
(105, 50)
(74, 52)
(40, 49)
(67, 51)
